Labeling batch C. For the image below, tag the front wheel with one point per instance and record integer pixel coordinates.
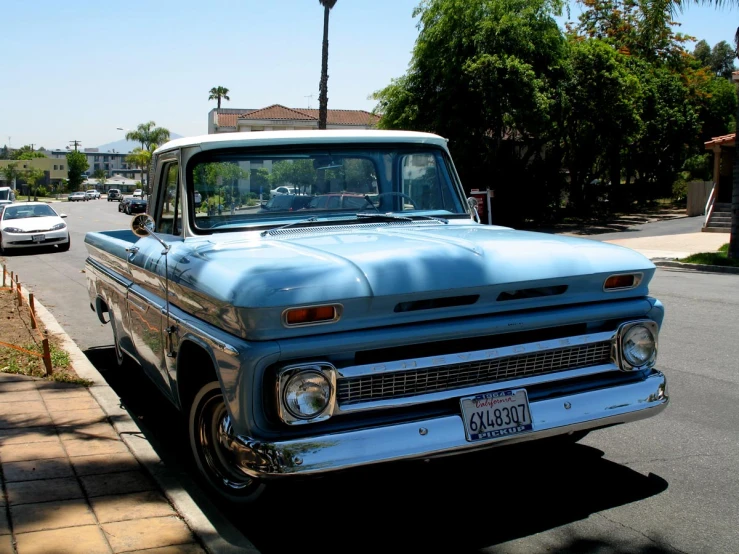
(209, 425)
(65, 246)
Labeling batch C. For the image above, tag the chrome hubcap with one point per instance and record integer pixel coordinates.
(214, 431)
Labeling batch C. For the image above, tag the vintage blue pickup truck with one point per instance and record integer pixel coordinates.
(376, 320)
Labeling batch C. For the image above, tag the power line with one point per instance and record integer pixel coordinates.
(76, 144)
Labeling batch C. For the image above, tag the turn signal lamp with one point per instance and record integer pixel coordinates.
(311, 315)
(622, 282)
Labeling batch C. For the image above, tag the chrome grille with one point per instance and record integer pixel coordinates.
(401, 384)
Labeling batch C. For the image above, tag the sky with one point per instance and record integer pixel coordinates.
(79, 69)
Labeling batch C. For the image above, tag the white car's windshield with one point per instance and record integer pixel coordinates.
(239, 189)
(22, 212)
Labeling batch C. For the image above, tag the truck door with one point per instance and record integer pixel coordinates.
(150, 268)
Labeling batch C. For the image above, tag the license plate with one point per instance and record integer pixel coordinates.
(37, 238)
(496, 414)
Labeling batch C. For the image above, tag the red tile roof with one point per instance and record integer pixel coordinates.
(278, 112)
(227, 119)
(724, 139)
(345, 117)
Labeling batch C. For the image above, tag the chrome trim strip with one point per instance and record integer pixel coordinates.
(338, 312)
(638, 278)
(445, 435)
(476, 389)
(475, 356)
(97, 266)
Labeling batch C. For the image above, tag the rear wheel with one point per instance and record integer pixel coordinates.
(119, 359)
(209, 427)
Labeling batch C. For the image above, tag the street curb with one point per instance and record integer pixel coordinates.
(134, 439)
(698, 267)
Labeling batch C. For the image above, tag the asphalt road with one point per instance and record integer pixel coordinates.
(666, 484)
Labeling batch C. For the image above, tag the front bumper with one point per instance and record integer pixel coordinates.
(25, 240)
(445, 435)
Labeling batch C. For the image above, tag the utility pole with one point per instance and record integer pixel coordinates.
(76, 144)
(32, 145)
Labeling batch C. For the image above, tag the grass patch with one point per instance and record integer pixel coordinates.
(20, 363)
(712, 258)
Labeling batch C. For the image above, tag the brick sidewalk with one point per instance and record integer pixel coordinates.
(69, 484)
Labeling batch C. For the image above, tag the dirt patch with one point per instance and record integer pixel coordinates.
(16, 329)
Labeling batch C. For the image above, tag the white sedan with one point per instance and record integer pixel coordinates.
(32, 224)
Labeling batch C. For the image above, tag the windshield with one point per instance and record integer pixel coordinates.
(240, 189)
(22, 212)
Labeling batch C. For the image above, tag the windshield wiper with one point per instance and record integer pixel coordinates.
(392, 216)
(302, 221)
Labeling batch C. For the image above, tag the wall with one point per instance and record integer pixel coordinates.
(698, 193)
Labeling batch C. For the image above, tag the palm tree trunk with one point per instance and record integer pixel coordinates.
(219, 102)
(323, 86)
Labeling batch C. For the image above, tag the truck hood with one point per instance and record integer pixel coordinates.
(391, 275)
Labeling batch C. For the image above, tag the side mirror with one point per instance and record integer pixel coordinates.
(142, 225)
(62, 215)
(472, 202)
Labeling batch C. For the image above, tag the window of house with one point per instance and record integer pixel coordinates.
(170, 216)
(61, 168)
(55, 167)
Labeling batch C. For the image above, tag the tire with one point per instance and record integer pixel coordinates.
(3, 252)
(207, 415)
(65, 246)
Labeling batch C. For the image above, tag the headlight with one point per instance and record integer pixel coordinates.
(307, 394)
(12, 230)
(58, 226)
(639, 345)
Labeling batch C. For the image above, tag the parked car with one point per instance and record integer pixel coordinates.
(285, 203)
(78, 196)
(7, 196)
(32, 224)
(92, 194)
(305, 343)
(339, 202)
(135, 206)
(114, 195)
(138, 193)
(283, 190)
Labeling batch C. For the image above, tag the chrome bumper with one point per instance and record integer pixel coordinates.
(445, 435)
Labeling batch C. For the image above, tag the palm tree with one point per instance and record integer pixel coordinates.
(140, 158)
(218, 93)
(149, 135)
(323, 85)
(734, 237)
(11, 174)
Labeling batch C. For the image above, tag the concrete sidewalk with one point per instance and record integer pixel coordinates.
(674, 246)
(70, 484)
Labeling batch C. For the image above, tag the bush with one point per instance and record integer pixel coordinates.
(41, 191)
(680, 190)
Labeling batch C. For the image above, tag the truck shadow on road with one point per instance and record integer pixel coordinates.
(460, 504)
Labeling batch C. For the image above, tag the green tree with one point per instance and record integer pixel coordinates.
(32, 176)
(218, 94)
(149, 135)
(76, 166)
(26, 153)
(702, 53)
(11, 173)
(294, 173)
(734, 240)
(487, 74)
(5, 153)
(323, 84)
(722, 60)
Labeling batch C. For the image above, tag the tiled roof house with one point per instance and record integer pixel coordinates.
(281, 118)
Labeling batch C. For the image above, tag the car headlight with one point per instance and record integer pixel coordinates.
(12, 230)
(58, 226)
(307, 393)
(639, 345)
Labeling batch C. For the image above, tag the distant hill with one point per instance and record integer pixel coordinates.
(127, 145)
